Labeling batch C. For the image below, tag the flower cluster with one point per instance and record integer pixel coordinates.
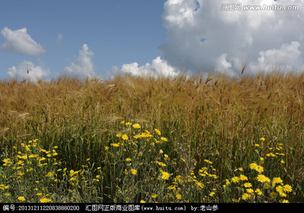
(260, 187)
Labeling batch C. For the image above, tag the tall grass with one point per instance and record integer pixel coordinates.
(197, 139)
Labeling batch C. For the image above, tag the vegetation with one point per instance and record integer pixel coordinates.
(145, 139)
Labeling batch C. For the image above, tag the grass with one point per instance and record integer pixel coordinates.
(145, 139)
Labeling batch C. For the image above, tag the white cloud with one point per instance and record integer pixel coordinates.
(285, 57)
(18, 41)
(223, 66)
(59, 39)
(83, 66)
(158, 67)
(202, 37)
(34, 72)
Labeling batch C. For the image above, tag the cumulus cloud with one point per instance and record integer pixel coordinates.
(27, 70)
(158, 67)
(18, 41)
(83, 66)
(201, 36)
(285, 57)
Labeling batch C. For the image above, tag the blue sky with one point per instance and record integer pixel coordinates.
(104, 37)
(117, 31)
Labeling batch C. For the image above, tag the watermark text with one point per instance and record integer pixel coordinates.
(264, 7)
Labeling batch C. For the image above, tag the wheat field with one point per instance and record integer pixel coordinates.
(145, 139)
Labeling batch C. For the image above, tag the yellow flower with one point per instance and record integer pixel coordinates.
(263, 139)
(235, 179)
(154, 195)
(106, 148)
(243, 177)
(276, 180)
(258, 192)
(171, 187)
(263, 178)
(211, 194)
(199, 185)
(39, 194)
(50, 174)
(41, 159)
(247, 185)
(161, 163)
(128, 159)
(282, 161)
(266, 186)
(165, 175)
(250, 191)
(207, 161)
(21, 198)
(45, 200)
(24, 157)
(273, 194)
(287, 188)
(183, 159)
(157, 131)
(253, 165)
(259, 169)
(179, 196)
(164, 139)
(42, 150)
(134, 171)
(270, 154)
(245, 196)
(142, 201)
(128, 124)
(136, 126)
(285, 201)
(73, 178)
(156, 141)
(257, 145)
(115, 144)
(125, 137)
(280, 189)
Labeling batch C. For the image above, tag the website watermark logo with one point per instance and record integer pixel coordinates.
(264, 7)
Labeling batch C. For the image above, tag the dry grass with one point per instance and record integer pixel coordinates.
(219, 118)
